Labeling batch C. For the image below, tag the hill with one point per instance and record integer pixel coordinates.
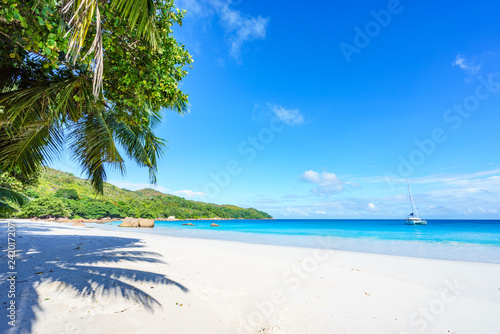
(61, 194)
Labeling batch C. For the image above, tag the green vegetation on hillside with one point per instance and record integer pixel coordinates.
(61, 194)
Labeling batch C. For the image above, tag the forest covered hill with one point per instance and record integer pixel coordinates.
(61, 194)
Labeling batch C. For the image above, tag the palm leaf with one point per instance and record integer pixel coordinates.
(31, 127)
(140, 143)
(12, 196)
(31, 148)
(93, 146)
(6, 209)
(140, 15)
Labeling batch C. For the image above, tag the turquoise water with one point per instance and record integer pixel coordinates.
(466, 240)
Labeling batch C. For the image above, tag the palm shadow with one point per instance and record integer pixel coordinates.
(82, 265)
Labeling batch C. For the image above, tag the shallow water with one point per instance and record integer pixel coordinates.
(465, 240)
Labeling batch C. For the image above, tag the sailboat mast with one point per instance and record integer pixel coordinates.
(413, 207)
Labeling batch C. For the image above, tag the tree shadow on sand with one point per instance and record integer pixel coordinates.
(77, 265)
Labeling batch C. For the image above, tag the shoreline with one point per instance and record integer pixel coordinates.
(426, 249)
(108, 220)
(96, 281)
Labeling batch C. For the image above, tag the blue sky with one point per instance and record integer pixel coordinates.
(323, 109)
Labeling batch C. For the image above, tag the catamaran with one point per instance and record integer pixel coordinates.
(413, 218)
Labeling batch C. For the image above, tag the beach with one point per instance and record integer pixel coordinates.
(84, 279)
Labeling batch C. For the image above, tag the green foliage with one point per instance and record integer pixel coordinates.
(119, 203)
(66, 193)
(14, 191)
(31, 193)
(44, 207)
(93, 209)
(48, 101)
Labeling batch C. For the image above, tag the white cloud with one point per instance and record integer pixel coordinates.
(326, 183)
(371, 205)
(466, 65)
(296, 212)
(187, 193)
(287, 116)
(239, 27)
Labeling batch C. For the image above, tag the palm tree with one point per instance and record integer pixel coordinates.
(44, 112)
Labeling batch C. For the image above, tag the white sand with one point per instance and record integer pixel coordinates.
(126, 282)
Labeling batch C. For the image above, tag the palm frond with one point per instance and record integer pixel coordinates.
(31, 126)
(93, 146)
(53, 100)
(6, 209)
(12, 196)
(141, 145)
(180, 105)
(34, 146)
(140, 15)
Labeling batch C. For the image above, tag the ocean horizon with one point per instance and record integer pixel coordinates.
(459, 240)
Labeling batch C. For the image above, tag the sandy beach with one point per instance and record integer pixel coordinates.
(82, 279)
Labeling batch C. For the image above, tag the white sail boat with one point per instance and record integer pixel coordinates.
(413, 218)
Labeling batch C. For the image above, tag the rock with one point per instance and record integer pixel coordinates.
(78, 224)
(137, 222)
(130, 222)
(171, 218)
(146, 223)
(189, 224)
(214, 224)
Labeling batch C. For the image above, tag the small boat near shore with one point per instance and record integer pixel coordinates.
(413, 218)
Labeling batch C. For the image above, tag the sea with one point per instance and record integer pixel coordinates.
(460, 240)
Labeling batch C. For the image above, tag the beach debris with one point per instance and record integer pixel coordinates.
(38, 273)
(78, 248)
(368, 294)
(122, 310)
(47, 299)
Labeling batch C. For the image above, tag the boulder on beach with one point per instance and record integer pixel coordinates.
(130, 222)
(214, 224)
(146, 223)
(137, 222)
